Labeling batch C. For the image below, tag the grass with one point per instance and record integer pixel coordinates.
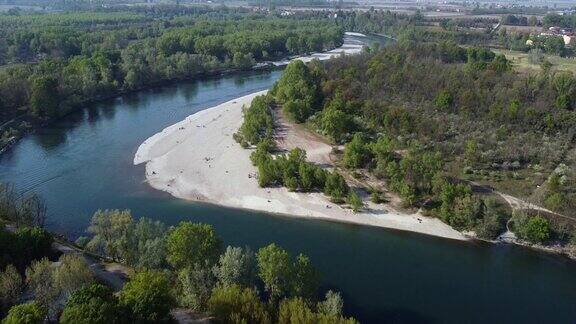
(521, 63)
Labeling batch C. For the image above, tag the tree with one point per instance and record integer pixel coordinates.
(355, 201)
(93, 304)
(444, 100)
(196, 284)
(40, 277)
(44, 98)
(356, 152)
(335, 186)
(306, 278)
(236, 266)
(10, 287)
(234, 304)
(148, 296)
(336, 123)
(31, 243)
(30, 313)
(275, 270)
(298, 90)
(295, 310)
(146, 244)
(191, 243)
(110, 229)
(72, 274)
(332, 305)
(535, 229)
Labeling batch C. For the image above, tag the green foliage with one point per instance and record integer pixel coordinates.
(53, 283)
(110, 229)
(283, 277)
(290, 170)
(444, 100)
(332, 304)
(296, 310)
(275, 270)
(196, 283)
(148, 297)
(93, 304)
(306, 279)
(535, 229)
(139, 243)
(24, 246)
(258, 125)
(72, 274)
(234, 304)
(494, 219)
(298, 91)
(30, 313)
(355, 201)
(356, 152)
(192, 243)
(40, 278)
(336, 186)
(236, 266)
(11, 286)
(85, 56)
(336, 123)
(44, 97)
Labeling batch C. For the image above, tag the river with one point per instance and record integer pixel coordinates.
(84, 162)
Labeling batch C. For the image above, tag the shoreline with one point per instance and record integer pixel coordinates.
(196, 159)
(352, 47)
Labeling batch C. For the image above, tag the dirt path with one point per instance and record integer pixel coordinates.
(289, 136)
(519, 204)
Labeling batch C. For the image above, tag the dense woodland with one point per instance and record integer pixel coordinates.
(183, 266)
(56, 62)
(433, 121)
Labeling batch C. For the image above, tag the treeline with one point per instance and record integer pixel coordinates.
(413, 27)
(189, 265)
(565, 21)
(185, 266)
(298, 3)
(127, 59)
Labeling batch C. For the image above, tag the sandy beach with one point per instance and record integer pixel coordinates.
(351, 45)
(197, 159)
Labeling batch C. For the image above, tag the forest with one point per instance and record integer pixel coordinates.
(436, 122)
(180, 266)
(56, 62)
(470, 31)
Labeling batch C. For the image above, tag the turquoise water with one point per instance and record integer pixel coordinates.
(84, 163)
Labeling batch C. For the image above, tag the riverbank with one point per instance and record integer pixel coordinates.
(22, 125)
(197, 159)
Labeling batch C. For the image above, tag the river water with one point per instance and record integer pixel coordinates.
(84, 162)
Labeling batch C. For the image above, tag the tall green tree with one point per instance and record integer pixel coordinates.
(44, 97)
(275, 269)
(148, 296)
(30, 313)
(236, 266)
(192, 243)
(94, 304)
(235, 304)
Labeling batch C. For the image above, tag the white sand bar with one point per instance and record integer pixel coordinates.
(197, 159)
